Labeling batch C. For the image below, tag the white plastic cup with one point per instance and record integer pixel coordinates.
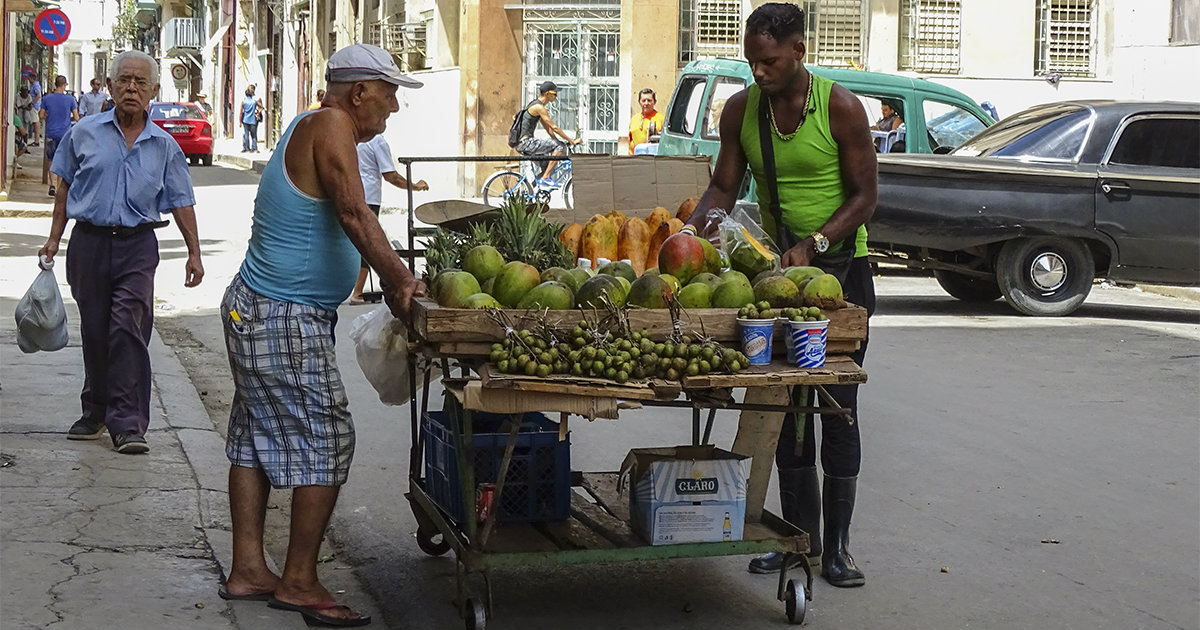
(811, 341)
(756, 339)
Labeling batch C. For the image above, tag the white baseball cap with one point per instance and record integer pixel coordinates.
(363, 62)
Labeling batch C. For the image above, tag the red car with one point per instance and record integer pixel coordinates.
(189, 126)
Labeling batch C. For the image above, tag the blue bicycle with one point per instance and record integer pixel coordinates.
(522, 179)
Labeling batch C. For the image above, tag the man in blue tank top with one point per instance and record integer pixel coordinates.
(290, 425)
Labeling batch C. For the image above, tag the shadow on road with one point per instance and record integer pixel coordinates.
(911, 306)
(205, 176)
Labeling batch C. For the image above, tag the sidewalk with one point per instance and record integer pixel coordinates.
(28, 196)
(93, 539)
(229, 151)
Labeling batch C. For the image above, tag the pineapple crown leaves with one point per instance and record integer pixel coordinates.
(521, 233)
(443, 250)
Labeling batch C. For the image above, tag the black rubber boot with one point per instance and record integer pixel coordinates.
(800, 503)
(837, 564)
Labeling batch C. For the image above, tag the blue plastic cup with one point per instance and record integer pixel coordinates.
(811, 341)
(756, 339)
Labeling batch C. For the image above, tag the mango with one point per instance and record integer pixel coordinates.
(454, 287)
(650, 292)
(682, 256)
(483, 262)
(555, 296)
(514, 281)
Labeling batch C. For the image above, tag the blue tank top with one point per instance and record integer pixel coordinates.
(298, 250)
(249, 109)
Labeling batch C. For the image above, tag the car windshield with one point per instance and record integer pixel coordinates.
(954, 127)
(175, 111)
(1045, 133)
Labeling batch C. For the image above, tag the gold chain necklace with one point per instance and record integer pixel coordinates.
(803, 113)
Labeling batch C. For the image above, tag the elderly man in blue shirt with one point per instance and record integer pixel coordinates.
(120, 174)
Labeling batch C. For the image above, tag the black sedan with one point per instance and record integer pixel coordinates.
(1038, 206)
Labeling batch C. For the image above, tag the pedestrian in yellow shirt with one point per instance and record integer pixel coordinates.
(645, 123)
(317, 103)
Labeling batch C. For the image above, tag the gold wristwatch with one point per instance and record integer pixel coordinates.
(820, 243)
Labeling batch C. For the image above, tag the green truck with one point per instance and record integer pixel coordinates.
(936, 118)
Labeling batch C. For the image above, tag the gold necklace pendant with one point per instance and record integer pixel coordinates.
(803, 113)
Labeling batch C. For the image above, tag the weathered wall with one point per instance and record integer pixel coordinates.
(490, 50)
(649, 45)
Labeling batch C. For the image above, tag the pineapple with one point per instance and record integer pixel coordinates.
(523, 234)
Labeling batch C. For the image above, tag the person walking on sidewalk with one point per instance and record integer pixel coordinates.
(58, 112)
(290, 424)
(92, 102)
(114, 252)
(821, 167)
(252, 109)
(375, 167)
(35, 93)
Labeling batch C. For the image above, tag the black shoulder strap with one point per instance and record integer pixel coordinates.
(784, 238)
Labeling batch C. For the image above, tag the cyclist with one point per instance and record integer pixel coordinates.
(536, 147)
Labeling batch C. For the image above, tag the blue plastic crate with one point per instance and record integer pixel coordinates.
(538, 484)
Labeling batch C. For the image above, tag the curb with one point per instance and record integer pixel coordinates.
(1191, 294)
(245, 163)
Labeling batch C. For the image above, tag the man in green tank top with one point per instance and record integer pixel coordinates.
(825, 174)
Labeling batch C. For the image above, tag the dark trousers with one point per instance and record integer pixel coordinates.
(841, 450)
(112, 280)
(250, 136)
(374, 208)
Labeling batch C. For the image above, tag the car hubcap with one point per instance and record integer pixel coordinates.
(1048, 271)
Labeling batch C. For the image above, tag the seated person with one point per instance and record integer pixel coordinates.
(530, 146)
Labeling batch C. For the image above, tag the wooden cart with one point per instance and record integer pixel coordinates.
(598, 527)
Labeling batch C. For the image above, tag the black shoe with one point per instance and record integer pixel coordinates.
(130, 443)
(838, 566)
(51, 191)
(85, 429)
(772, 563)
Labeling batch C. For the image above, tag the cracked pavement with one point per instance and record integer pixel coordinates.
(90, 538)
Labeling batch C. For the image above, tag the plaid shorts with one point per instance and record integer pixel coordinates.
(290, 415)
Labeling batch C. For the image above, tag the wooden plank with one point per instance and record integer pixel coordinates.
(484, 348)
(574, 385)
(474, 395)
(838, 370)
(757, 435)
(603, 486)
(457, 325)
(518, 538)
(611, 528)
(573, 534)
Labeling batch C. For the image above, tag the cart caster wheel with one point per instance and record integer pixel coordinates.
(795, 602)
(426, 543)
(475, 614)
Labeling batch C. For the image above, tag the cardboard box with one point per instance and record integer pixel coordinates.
(633, 184)
(686, 494)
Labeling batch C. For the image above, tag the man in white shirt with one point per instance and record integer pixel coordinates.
(375, 166)
(92, 102)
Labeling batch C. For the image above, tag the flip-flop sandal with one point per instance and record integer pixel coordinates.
(249, 597)
(313, 612)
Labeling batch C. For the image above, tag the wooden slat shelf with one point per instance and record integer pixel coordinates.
(461, 326)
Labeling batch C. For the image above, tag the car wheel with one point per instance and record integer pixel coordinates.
(206, 159)
(1046, 277)
(968, 288)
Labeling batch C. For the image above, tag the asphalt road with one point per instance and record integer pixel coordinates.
(1018, 472)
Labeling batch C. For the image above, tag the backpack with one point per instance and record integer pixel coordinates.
(514, 132)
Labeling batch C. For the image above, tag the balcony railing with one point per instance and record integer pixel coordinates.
(183, 35)
(404, 40)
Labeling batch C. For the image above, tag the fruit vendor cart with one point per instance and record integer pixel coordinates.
(489, 473)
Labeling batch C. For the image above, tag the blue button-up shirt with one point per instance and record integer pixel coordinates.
(111, 184)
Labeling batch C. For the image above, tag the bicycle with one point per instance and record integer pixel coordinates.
(509, 182)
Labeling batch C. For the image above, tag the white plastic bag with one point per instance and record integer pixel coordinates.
(41, 316)
(381, 347)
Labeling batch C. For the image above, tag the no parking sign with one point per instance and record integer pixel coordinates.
(52, 27)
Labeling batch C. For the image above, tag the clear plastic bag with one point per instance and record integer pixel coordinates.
(381, 347)
(746, 244)
(41, 316)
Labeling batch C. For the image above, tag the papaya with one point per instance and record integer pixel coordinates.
(659, 237)
(633, 243)
(599, 239)
(687, 208)
(570, 237)
(675, 224)
(657, 216)
(618, 217)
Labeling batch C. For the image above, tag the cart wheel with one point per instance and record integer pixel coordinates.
(795, 602)
(426, 543)
(475, 614)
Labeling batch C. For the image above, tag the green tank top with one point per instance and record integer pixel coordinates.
(809, 174)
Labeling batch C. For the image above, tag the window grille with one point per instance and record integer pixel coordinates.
(835, 32)
(1066, 38)
(930, 35)
(580, 52)
(709, 29)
